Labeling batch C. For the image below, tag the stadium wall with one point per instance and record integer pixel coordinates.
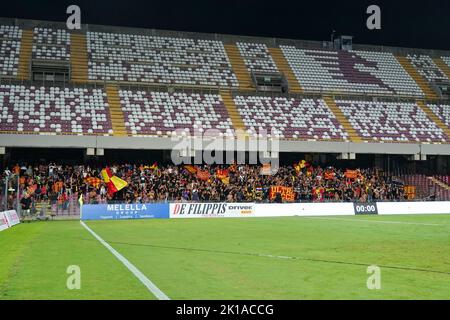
(425, 207)
(159, 143)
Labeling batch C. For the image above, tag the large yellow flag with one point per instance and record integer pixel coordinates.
(106, 174)
(225, 180)
(118, 183)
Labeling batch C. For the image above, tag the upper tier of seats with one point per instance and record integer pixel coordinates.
(51, 44)
(163, 113)
(164, 60)
(427, 68)
(257, 57)
(391, 121)
(446, 60)
(306, 119)
(350, 71)
(54, 110)
(9, 50)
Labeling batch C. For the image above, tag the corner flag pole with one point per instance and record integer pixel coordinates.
(80, 201)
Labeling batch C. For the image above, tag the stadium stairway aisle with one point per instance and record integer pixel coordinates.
(421, 81)
(117, 119)
(353, 135)
(239, 67)
(443, 66)
(440, 183)
(433, 117)
(79, 58)
(26, 47)
(235, 117)
(284, 67)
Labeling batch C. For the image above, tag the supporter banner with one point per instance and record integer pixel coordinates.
(351, 174)
(211, 210)
(266, 169)
(287, 193)
(125, 211)
(410, 192)
(365, 208)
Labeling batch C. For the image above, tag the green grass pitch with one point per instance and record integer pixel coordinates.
(246, 258)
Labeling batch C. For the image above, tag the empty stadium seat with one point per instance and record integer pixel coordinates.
(257, 57)
(391, 121)
(163, 113)
(427, 68)
(56, 110)
(446, 61)
(425, 187)
(291, 118)
(165, 60)
(51, 44)
(362, 72)
(9, 50)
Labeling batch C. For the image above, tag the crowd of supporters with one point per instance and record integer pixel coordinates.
(56, 184)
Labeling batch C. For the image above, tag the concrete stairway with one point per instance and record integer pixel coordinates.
(26, 47)
(43, 207)
(235, 117)
(353, 135)
(239, 67)
(440, 183)
(433, 117)
(443, 66)
(421, 81)
(78, 58)
(284, 68)
(115, 110)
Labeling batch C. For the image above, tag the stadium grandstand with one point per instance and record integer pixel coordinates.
(354, 123)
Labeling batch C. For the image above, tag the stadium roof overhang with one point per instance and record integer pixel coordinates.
(165, 143)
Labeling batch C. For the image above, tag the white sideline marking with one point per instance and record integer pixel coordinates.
(378, 221)
(145, 281)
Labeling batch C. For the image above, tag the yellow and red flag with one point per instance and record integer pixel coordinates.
(225, 180)
(203, 174)
(113, 183)
(154, 166)
(221, 173)
(106, 174)
(191, 169)
(93, 181)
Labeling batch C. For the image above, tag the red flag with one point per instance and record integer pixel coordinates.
(203, 174)
(222, 173)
